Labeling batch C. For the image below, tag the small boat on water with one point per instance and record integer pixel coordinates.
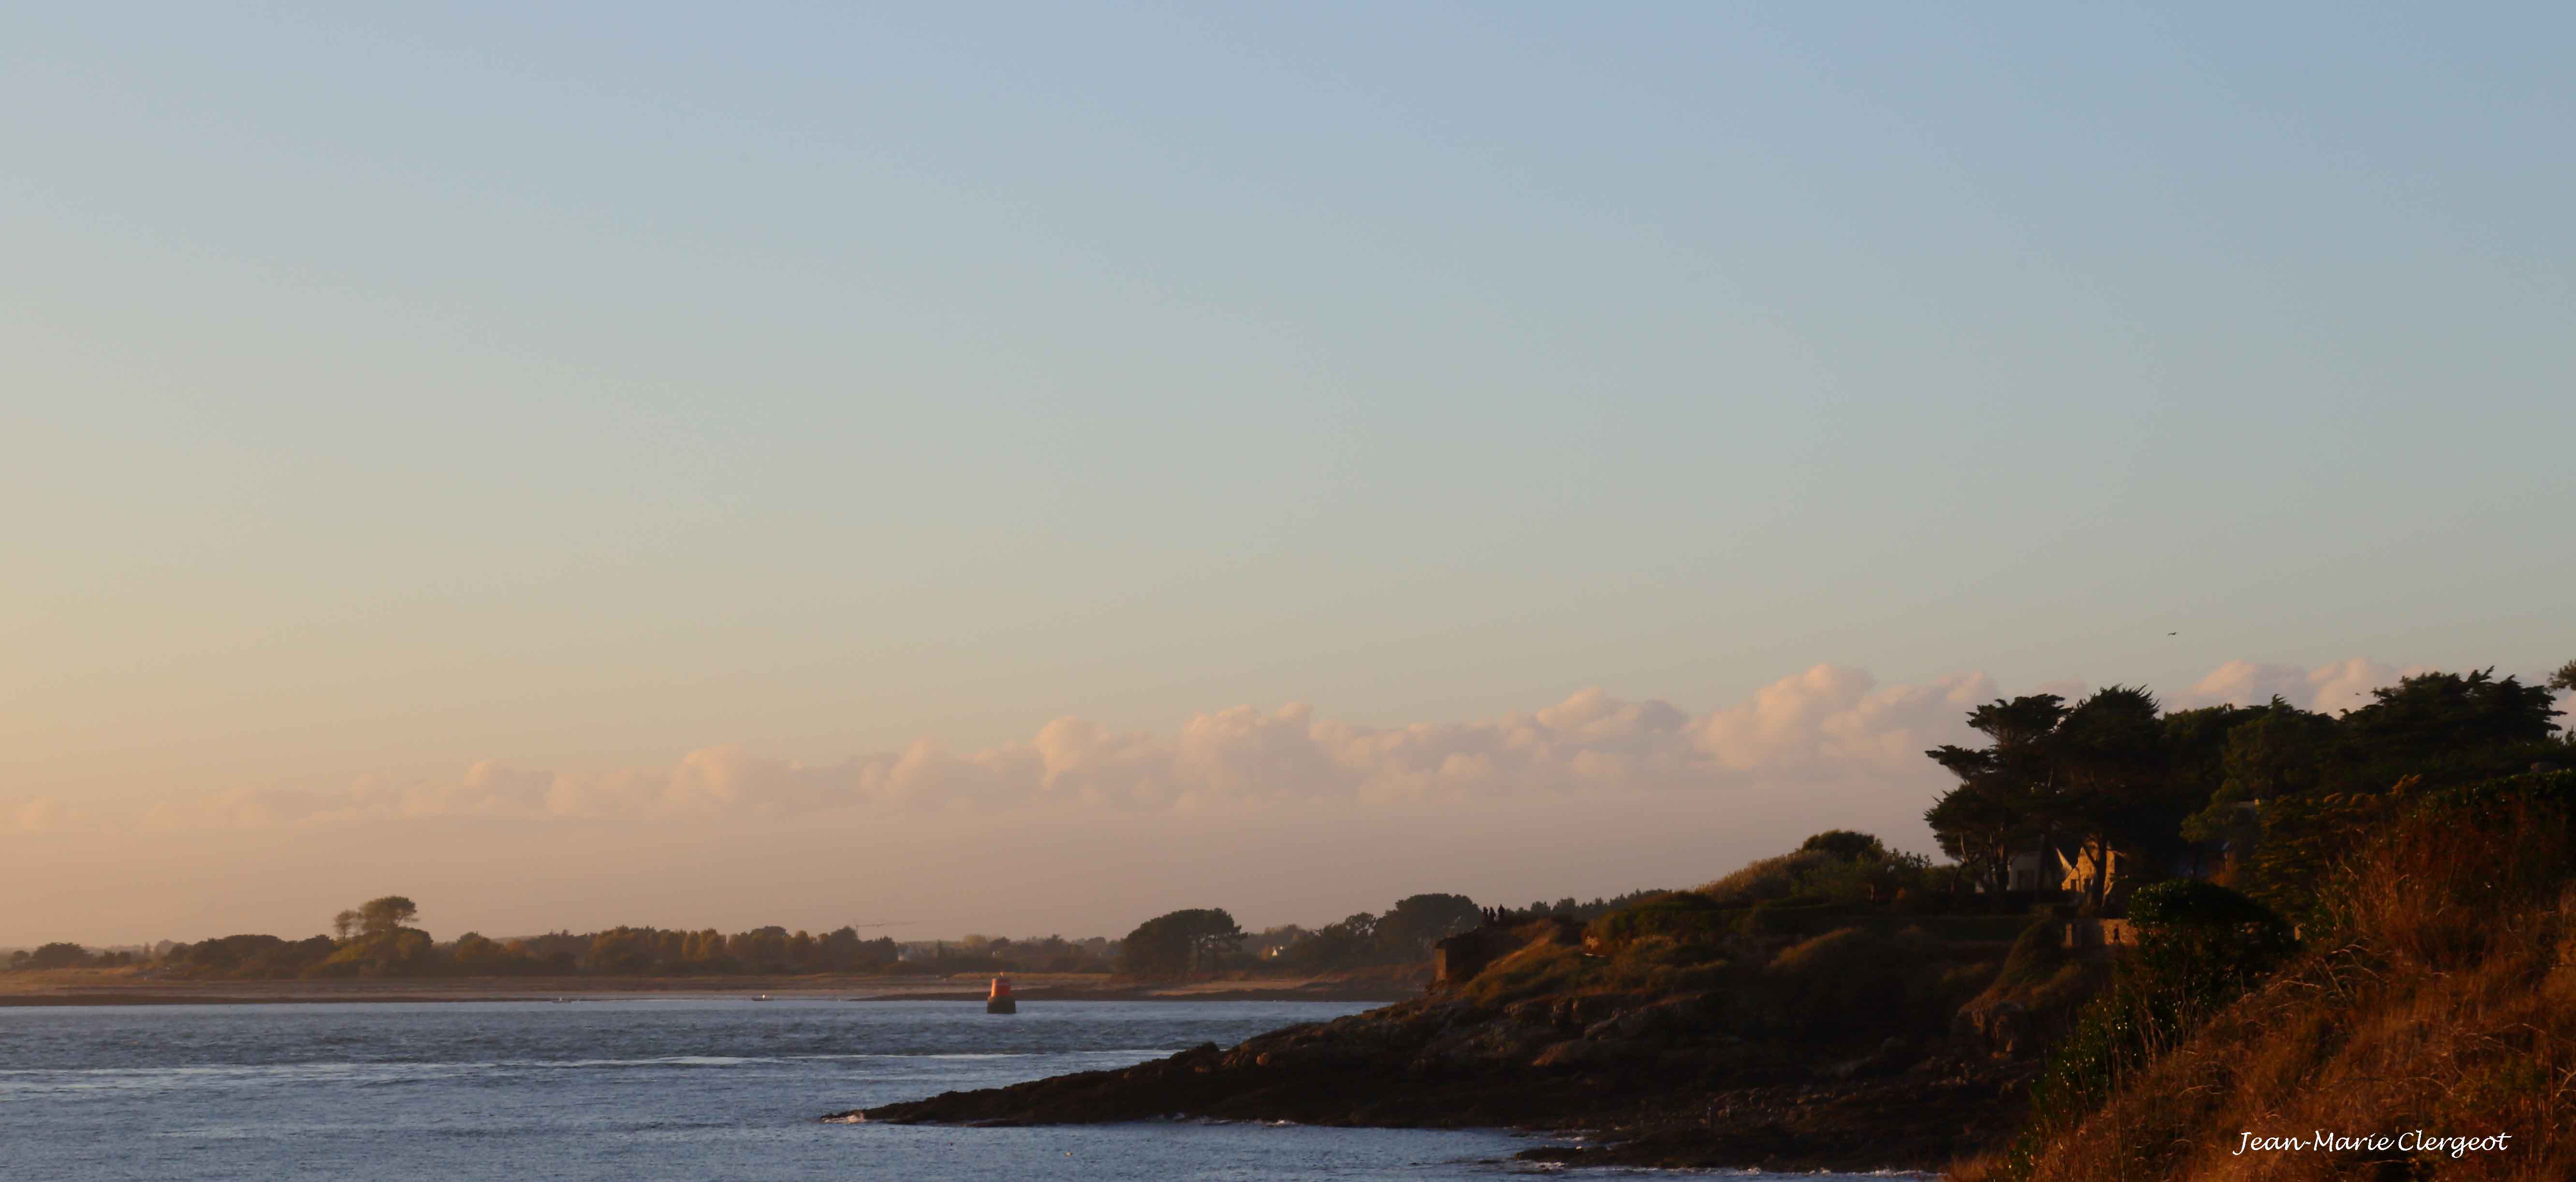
(1001, 1001)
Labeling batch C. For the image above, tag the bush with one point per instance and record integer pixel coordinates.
(1842, 866)
(1543, 967)
(1852, 982)
(58, 956)
(2189, 903)
(2036, 955)
(2423, 890)
(1794, 917)
(392, 953)
(1686, 916)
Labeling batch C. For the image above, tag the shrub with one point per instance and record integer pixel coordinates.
(1768, 878)
(1852, 982)
(1789, 917)
(1845, 844)
(2423, 892)
(394, 952)
(1686, 916)
(2035, 956)
(1542, 967)
(1845, 867)
(2204, 939)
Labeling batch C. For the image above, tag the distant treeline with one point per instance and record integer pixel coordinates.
(68, 956)
(378, 940)
(1203, 941)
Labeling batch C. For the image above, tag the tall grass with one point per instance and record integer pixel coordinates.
(2437, 992)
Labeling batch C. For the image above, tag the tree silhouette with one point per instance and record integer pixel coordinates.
(1996, 805)
(379, 916)
(1409, 929)
(1168, 945)
(2107, 790)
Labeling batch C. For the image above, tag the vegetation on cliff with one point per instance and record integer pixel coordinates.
(2434, 993)
(2182, 792)
(2362, 922)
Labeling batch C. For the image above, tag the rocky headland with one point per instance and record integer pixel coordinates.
(1711, 1046)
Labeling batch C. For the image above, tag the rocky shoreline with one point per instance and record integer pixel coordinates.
(1645, 1081)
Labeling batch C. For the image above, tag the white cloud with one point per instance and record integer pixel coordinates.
(41, 814)
(1825, 724)
(1829, 729)
(2333, 688)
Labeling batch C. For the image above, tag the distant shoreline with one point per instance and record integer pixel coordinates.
(105, 990)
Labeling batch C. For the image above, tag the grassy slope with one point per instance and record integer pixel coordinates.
(2444, 1001)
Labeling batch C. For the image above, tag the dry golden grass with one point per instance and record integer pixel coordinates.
(2446, 1005)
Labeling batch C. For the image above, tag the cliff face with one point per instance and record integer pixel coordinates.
(1804, 1058)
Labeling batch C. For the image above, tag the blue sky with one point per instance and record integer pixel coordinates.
(394, 390)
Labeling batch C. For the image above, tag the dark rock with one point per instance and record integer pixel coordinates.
(1655, 1079)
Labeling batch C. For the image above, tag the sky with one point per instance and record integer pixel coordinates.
(1024, 468)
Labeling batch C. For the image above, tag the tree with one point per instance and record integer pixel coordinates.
(621, 949)
(2096, 773)
(2269, 752)
(1351, 942)
(1180, 942)
(2564, 680)
(1995, 806)
(379, 916)
(1978, 822)
(760, 950)
(344, 923)
(2021, 725)
(2107, 790)
(476, 952)
(58, 956)
(1845, 843)
(2275, 753)
(2450, 728)
(1414, 924)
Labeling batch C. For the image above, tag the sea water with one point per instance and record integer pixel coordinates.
(636, 1089)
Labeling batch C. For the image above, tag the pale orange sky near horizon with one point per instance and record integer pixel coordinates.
(1281, 816)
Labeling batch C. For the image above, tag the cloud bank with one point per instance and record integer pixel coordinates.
(2332, 688)
(40, 814)
(1826, 723)
(1830, 727)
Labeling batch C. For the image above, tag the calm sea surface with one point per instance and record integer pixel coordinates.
(679, 1089)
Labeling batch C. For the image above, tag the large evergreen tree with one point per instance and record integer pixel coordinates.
(1180, 942)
